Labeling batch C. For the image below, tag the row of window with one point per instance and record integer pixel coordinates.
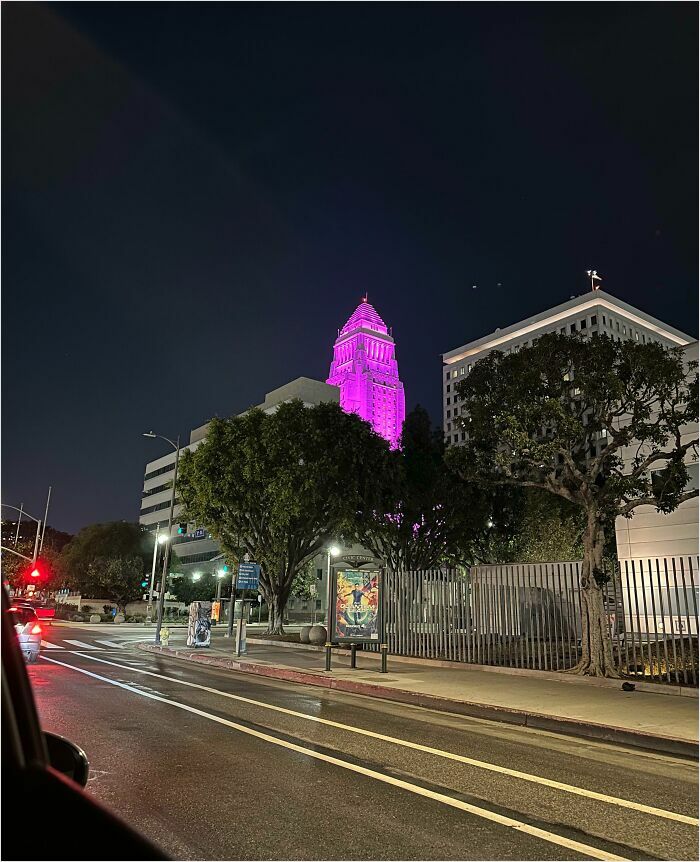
(582, 325)
(198, 558)
(157, 489)
(167, 469)
(157, 507)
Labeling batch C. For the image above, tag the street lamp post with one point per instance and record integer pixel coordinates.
(166, 554)
(160, 539)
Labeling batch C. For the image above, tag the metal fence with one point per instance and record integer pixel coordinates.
(529, 616)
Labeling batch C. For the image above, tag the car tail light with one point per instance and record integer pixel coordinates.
(36, 629)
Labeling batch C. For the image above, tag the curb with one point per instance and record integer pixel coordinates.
(550, 675)
(573, 727)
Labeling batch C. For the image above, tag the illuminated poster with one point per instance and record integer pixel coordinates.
(357, 606)
(199, 625)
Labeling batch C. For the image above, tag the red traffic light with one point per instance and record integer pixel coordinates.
(35, 573)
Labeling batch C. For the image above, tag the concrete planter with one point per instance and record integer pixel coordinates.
(119, 618)
(317, 635)
(95, 618)
(304, 634)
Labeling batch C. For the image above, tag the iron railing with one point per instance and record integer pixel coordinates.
(529, 616)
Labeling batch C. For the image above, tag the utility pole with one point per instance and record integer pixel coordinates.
(46, 515)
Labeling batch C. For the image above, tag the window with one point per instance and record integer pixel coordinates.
(447, 375)
(464, 435)
(636, 336)
(456, 437)
(618, 325)
(584, 323)
(594, 320)
(448, 387)
(572, 328)
(604, 323)
(454, 373)
(157, 489)
(167, 469)
(469, 368)
(693, 477)
(318, 604)
(448, 400)
(624, 330)
(448, 414)
(461, 371)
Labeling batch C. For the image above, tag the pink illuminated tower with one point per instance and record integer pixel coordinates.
(366, 371)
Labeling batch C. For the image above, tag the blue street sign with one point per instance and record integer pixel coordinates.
(248, 576)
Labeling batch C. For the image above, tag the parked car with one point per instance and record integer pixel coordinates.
(28, 629)
(43, 611)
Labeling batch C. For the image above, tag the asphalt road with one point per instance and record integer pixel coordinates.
(212, 764)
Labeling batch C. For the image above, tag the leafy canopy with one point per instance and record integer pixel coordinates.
(281, 485)
(586, 419)
(428, 514)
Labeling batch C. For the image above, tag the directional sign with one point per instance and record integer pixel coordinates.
(248, 576)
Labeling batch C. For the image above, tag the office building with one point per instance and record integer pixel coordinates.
(648, 532)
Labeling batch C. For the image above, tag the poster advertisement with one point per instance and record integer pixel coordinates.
(199, 625)
(356, 606)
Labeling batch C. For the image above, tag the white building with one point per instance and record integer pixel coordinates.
(648, 533)
(196, 550)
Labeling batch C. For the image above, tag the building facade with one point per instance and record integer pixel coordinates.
(648, 532)
(365, 370)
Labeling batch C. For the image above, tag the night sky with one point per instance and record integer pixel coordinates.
(195, 197)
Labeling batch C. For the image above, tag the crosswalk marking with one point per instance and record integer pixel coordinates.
(82, 644)
(47, 645)
(110, 643)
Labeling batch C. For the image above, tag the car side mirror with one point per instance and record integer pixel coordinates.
(67, 758)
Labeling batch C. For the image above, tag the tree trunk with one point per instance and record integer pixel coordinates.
(596, 643)
(275, 607)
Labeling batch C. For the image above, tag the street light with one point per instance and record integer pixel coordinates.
(196, 576)
(166, 555)
(333, 551)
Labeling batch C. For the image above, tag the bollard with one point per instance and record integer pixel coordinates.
(353, 655)
(164, 636)
(385, 651)
(328, 655)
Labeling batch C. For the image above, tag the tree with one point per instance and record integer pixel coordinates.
(16, 570)
(586, 420)
(280, 486)
(548, 528)
(118, 578)
(187, 590)
(112, 540)
(428, 515)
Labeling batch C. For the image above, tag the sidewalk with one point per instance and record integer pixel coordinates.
(640, 718)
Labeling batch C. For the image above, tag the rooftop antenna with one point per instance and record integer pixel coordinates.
(364, 298)
(593, 275)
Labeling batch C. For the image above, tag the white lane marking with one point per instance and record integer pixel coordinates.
(110, 643)
(449, 755)
(484, 813)
(81, 644)
(49, 645)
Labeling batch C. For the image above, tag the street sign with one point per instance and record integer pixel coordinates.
(248, 576)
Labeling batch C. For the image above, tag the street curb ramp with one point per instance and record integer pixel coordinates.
(524, 718)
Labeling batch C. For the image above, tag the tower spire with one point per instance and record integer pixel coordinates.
(365, 298)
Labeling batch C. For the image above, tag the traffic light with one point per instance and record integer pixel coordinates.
(144, 583)
(35, 573)
(225, 570)
(182, 528)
